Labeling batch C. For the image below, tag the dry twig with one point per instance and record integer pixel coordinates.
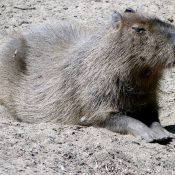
(25, 8)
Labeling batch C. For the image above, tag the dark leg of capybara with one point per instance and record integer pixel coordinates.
(150, 117)
(128, 125)
(150, 129)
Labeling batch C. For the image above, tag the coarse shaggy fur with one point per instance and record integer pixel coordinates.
(61, 73)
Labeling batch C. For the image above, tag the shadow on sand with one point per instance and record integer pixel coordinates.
(170, 128)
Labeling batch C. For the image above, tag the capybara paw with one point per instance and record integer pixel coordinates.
(161, 133)
(164, 137)
(149, 139)
(158, 138)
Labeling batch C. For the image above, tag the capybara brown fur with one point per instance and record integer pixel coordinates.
(60, 73)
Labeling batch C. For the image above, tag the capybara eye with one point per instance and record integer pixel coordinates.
(139, 30)
(129, 10)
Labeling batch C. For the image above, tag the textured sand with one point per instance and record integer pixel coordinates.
(53, 149)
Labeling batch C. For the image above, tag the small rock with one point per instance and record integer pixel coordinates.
(2, 5)
(62, 168)
(135, 142)
(23, 22)
(170, 20)
(65, 8)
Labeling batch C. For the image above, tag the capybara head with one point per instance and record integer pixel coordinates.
(146, 45)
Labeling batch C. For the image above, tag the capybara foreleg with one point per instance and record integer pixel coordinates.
(125, 124)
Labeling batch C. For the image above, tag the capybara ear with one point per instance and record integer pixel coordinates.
(129, 10)
(116, 19)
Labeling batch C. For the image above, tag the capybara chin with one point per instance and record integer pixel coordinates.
(61, 73)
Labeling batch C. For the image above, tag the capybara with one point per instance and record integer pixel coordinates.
(59, 72)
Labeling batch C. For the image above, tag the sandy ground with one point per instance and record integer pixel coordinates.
(48, 148)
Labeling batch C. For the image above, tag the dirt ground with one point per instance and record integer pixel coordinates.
(49, 148)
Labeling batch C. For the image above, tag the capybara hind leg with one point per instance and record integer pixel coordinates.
(125, 124)
(161, 133)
